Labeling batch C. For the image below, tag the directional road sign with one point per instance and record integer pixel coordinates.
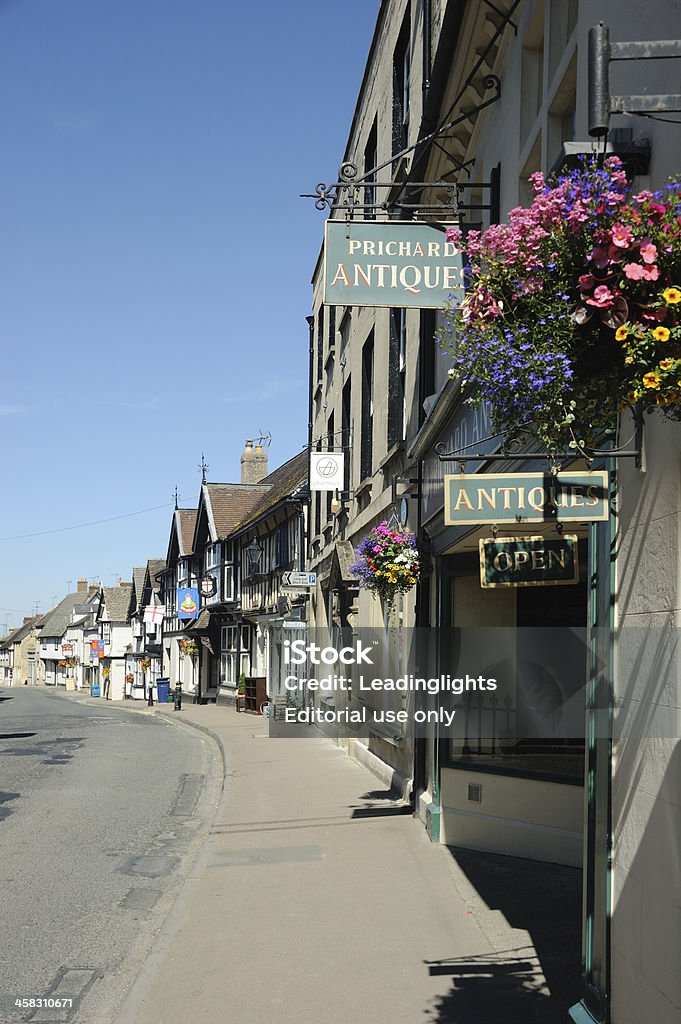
(299, 579)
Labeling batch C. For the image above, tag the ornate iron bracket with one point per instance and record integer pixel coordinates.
(358, 194)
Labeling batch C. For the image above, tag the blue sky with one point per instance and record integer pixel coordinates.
(155, 260)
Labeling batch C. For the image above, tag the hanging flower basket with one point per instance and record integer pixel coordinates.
(387, 562)
(130, 677)
(572, 310)
(188, 647)
(61, 664)
(145, 664)
(106, 672)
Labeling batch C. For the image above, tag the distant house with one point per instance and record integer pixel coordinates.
(177, 573)
(19, 661)
(143, 661)
(58, 652)
(115, 631)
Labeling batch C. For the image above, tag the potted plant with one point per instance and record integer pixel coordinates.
(572, 310)
(387, 562)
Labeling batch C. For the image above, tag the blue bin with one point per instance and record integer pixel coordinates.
(162, 689)
(94, 690)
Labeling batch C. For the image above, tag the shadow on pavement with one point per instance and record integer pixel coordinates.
(538, 982)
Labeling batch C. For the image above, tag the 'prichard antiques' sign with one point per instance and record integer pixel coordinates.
(476, 498)
(528, 561)
(390, 263)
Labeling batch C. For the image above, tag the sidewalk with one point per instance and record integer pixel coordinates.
(315, 900)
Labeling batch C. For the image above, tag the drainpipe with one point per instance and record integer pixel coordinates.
(310, 324)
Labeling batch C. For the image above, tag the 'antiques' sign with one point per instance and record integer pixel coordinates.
(528, 561)
(476, 498)
(390, 263)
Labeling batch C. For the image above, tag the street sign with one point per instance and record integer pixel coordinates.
(476, 498)
(528, 561)
(299, 579)
(294, 624)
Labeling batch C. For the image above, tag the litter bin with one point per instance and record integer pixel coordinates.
(162, 690)
(94, 690)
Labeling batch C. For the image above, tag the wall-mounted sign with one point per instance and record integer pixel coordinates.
(528, 561)
(67, 648)
(208, 586)
(326, 471)
(390, 263)
(476, 498)
(187, 602)
(299, 579)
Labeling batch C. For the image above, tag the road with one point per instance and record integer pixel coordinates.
(102, 812)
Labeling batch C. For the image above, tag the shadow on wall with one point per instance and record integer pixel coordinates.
(533, 982)
(646, 925)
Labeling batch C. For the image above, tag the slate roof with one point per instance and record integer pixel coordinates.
(138, 577)
(280, 484)
(17, 635)
(117, 601)
(228, 504)
(57, 621)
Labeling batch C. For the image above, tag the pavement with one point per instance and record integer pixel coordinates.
(316, 898)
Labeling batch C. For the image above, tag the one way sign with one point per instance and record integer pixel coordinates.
(299, 579)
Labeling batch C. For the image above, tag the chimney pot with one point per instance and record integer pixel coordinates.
(253, 463)
(82, 585)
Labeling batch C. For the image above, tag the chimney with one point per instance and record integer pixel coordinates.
(92, 589)
(82, 586)
(253, 463)
(28, 618)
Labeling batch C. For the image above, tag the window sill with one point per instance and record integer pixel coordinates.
(395, 449)
(364, 487)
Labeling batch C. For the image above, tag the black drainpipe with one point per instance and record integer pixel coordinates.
(427, 52)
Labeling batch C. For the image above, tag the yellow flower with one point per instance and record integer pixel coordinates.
(661, 334)
(671, 296)
(628, 360)
(622, 332)
(666, 364)
(651, 380)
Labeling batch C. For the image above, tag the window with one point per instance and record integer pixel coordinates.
(370, 161)
(330, 444)
(366, 453)
(212, 556)
(320, 343)
(427, 350)
(281, 546)
(401, 73)
(106, 632)
(346, 432)
(397, 362)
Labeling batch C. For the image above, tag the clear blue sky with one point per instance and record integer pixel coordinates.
(155, 259)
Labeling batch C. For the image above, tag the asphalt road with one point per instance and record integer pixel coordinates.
(102, 812)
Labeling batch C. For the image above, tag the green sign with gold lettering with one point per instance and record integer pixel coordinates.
(528, 561)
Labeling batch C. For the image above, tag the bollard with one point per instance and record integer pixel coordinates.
(150, 699)
(178, 697)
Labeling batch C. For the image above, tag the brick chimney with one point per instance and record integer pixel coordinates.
(82, 585)
(253, 463)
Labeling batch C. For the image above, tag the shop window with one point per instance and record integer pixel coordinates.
(397, 367)
(532, 640)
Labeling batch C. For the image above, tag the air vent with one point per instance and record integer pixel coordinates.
(474, 792)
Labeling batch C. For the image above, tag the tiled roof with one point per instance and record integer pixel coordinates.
(117, 602)
(155, 565)
(280, 484)
(185, 519)
(228, 504)
(138, 575)
(56, 622)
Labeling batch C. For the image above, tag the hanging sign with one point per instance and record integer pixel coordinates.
(528, 561)
(390, 263)
(476, 498)
(208, 586)
(187, 602)
(326, 471)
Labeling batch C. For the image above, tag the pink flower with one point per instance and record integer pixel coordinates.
(636, 272)
(453, 235)
(648, 252)
(621, 236)
(602, 297)
(586, 282)
(643, 197)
